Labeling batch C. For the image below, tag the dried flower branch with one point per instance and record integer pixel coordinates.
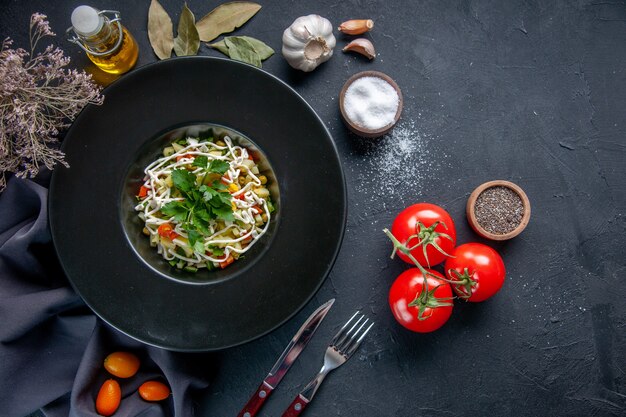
(39, 98)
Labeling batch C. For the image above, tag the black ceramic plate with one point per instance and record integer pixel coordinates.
(98, 238)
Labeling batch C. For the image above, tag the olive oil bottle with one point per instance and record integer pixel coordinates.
(107, 43)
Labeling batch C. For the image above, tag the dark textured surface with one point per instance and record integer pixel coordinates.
(532, 92)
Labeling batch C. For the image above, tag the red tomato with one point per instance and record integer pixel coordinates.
(427, 231)
(415, 309)
(187, 156)
(478, 269)
(143, 192)
(227, 261)
(166, 230)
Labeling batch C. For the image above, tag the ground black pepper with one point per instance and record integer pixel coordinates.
(499, 210)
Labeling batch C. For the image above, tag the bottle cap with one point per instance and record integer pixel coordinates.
(86, 21)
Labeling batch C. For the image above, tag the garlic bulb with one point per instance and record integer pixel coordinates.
(308, 42)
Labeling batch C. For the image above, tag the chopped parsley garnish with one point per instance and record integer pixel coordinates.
(201, 203)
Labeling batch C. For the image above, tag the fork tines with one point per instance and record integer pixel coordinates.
(350, 336)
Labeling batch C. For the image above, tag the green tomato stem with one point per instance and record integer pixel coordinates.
(425, 299)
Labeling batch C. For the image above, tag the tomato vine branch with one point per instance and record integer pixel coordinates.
(428, 236)
(425, 299)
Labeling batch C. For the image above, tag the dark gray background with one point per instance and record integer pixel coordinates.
(529, 91)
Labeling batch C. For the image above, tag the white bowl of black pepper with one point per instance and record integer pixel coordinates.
(498, 210)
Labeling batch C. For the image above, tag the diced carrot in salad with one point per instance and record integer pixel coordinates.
(143, 192)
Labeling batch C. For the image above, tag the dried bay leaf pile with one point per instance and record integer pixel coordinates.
(223, 19)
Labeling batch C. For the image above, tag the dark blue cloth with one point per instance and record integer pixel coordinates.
(51, 345)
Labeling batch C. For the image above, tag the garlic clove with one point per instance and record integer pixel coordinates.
(361, 46)
(356, 26)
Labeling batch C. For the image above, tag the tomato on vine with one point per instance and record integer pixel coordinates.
(420, 301)
(476, 272)
(427, 231)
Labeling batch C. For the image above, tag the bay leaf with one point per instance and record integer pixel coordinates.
(160, 30)
(220, 46)
(260, 47)
(187, 42)
(240, 49)
(225, 18)
(262, 50)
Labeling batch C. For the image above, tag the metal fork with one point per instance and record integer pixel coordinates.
(341, 348)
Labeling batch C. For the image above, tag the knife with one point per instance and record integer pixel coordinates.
(288, 357)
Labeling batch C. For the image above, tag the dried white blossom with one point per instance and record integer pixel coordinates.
(39, 98)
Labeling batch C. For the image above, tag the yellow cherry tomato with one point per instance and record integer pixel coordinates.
(109, 398)
(121, 364)
(154, 391)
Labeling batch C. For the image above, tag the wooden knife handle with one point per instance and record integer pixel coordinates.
(296, 407)
(256, 401)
